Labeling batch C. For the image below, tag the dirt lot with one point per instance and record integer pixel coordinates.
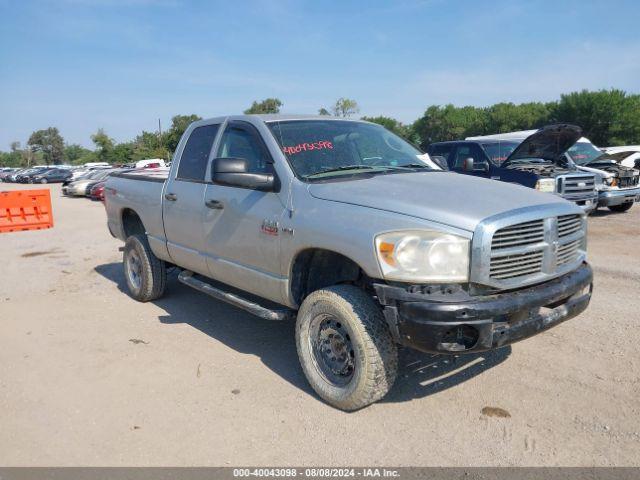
(90, 377)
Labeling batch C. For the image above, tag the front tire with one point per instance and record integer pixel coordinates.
(345, 347)
(146, 274)
(623, 207)
(43, 180)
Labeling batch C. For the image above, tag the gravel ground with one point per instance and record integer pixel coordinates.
(90, 377)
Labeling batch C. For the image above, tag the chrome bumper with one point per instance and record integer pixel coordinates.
(608, 198)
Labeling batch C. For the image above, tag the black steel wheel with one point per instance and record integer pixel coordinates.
(345, 348)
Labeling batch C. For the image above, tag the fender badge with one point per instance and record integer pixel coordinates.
(269, 227)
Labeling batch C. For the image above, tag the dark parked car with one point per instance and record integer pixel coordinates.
(27, 175)
(55, 175)
(538, 162)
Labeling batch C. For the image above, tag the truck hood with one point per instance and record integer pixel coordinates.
(460, 201)
(548, 143)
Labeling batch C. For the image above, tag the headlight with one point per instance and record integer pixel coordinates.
(423, 256)
(610, 181)
(546, 185)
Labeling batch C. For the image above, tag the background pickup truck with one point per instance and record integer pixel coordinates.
(535, 161)
(359, 236)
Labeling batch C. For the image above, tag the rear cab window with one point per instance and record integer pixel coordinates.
(194, 158)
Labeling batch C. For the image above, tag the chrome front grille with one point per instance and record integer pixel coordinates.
(519, 235)
(516, 265)
(577, 186)
(531, 250)
(568, 225)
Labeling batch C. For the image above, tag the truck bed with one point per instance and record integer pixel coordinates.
(148, 175)
(139, 191)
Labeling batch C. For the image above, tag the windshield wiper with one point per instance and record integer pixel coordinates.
(344, 167)
(414, 165)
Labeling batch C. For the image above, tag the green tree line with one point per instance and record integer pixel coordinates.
(607, 117)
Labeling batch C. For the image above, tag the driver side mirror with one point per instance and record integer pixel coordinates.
(470, 165)
(234, 172)
(467, 165)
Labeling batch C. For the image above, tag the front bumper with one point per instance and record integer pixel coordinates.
(479, 323)
(609, 198)
(587, 204)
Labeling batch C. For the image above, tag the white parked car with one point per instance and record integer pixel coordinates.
(148, 163)
(78, 187)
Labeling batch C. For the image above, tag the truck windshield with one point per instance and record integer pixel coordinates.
(326, 148)
(583, 153)
(499, 151)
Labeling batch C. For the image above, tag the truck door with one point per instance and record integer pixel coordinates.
(242, 226)
(183, 202)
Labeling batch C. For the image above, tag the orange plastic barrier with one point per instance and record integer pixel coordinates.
(25, 210)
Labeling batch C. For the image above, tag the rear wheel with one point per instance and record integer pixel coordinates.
(345, 347)
(622, 207)
(146, 274)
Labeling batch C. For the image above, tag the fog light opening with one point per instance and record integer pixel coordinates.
(459, 339)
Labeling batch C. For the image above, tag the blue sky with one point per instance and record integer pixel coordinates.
(122, 64)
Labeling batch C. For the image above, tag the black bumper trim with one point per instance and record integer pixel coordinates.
(482, 323)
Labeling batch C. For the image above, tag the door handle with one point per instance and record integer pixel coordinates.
(215, 204)
(172, 197)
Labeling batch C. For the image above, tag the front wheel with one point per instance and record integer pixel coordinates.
(146, 274)
(43, 180)
(621, 208)
(345, 347)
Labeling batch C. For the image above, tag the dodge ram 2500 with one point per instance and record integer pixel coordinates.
(357, 235)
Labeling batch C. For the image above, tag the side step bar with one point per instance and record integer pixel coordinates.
(186, 277)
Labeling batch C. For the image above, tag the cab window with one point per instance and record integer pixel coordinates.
(464, 151)
(440, 150)
(193, 162)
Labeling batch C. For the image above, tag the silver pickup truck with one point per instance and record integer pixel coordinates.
(356, 234)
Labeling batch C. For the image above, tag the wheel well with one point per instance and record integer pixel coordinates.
(131, 223)
(317, 268)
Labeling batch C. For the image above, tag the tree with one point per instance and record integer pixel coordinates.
(323, 111)
(392, 124)
(449, 123)
(507, 117)
(14, 158)
(268, 105)
(104, 145)
(345, 107)
(50, 143)
(148, 145)
(179, 124)
(123, 153)
(607, 116)
(74, 152)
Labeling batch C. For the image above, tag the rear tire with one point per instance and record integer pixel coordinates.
(623, 207)
(146, 274)
(345, 347)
